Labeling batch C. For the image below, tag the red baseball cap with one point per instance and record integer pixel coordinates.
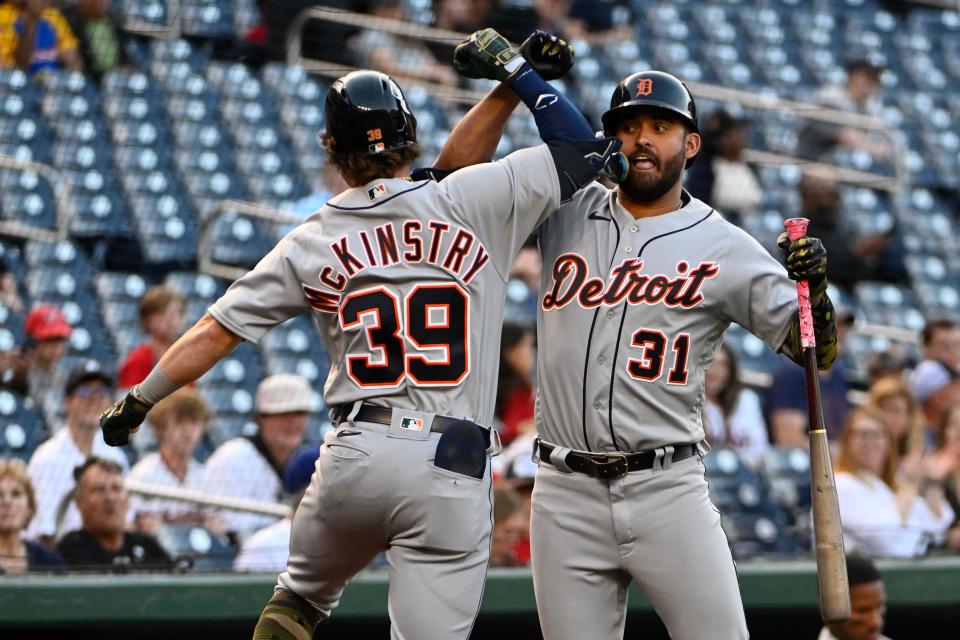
(46, 322)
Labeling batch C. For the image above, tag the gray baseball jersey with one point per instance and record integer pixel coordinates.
(406, 281)
(648, 300)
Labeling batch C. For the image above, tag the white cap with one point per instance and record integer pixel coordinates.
(284, 393)
(929, 377)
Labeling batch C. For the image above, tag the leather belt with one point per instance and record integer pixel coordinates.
(613, 465)
(384, 415)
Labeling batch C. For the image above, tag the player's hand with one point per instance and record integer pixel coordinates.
(123, 418)
(805, 259)
(485, 54)
(550, 56)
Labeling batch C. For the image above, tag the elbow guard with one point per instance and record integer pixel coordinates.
(579, 162)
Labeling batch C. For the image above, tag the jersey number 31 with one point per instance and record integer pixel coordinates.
(435, 320)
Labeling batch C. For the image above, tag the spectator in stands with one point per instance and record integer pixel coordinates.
(252, 467)
(882, 514)
(515, 395)
(721, 176)
(786, 401)
(903, 417)
(521, 475)
(36, 373)
(398, 56)
(88, 392)
(103, 540)
(852, 258)
(731, 414)
(594, 21)
(509, 525)
(935, 380)
(99, 34)
(17, 506)
(35, 36)
(868, 604)
(943, 467)
(890, 363)
(9, 294)
(858, 96)
(178, 421)
(161, 317)
(465, 16)
(267, 549)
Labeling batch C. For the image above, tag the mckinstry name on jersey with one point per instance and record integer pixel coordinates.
(406, 242)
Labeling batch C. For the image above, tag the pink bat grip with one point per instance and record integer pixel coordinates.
(796, 229)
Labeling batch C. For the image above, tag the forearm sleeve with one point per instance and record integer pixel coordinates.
(556, 117)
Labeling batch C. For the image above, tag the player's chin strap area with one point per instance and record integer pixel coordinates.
(611, 465)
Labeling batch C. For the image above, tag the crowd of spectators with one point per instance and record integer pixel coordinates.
(897, 453)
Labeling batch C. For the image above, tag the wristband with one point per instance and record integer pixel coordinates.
(155, 387)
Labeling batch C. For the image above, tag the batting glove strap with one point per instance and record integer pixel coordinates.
(550, 56)
(123, 419)
(486, 54)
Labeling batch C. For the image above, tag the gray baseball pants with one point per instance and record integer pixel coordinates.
(372, 493)
(590, 537)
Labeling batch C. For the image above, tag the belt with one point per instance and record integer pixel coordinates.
(613, 465)
(384, 415)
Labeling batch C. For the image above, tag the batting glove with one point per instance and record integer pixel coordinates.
(550, 56)
(805, 259)
(486, 54)
(123, 419)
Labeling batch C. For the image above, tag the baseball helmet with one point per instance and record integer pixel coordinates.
(366, 111)
(650, 89)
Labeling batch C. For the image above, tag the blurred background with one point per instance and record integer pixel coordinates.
(151, 151)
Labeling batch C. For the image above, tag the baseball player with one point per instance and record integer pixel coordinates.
(638, 285)
(405, 280)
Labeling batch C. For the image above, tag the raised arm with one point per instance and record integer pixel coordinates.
(475, 137)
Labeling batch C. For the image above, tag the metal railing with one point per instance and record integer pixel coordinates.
(63, 203)
(205, 261)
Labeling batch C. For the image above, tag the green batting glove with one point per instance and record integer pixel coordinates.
(486, 54)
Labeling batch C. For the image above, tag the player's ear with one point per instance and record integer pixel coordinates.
(692, 143)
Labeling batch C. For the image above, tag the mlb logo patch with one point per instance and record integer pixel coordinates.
(377, 191)
(377, 147)
(411, 424)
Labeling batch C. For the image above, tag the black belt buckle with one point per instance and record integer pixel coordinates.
(612, 466)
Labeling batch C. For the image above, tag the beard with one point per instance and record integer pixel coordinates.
(649, 186)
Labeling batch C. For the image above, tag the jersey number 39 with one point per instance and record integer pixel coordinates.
(435, 320)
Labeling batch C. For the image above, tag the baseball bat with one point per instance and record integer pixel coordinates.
(827, 532)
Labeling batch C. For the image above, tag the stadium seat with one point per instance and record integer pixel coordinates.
(195, 547)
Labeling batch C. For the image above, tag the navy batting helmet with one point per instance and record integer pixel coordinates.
(366, 111)
(650, 89)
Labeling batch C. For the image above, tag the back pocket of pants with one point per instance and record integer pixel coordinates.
(457, 511)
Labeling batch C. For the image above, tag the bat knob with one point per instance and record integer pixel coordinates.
(796, 227)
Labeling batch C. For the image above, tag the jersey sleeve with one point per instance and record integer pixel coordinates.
(268, 295)
(755, 290)
(507, 199)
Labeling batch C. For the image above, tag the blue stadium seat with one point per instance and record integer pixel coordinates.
(22, 427)
(195, 547)
(207, 18)
(151, 12)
